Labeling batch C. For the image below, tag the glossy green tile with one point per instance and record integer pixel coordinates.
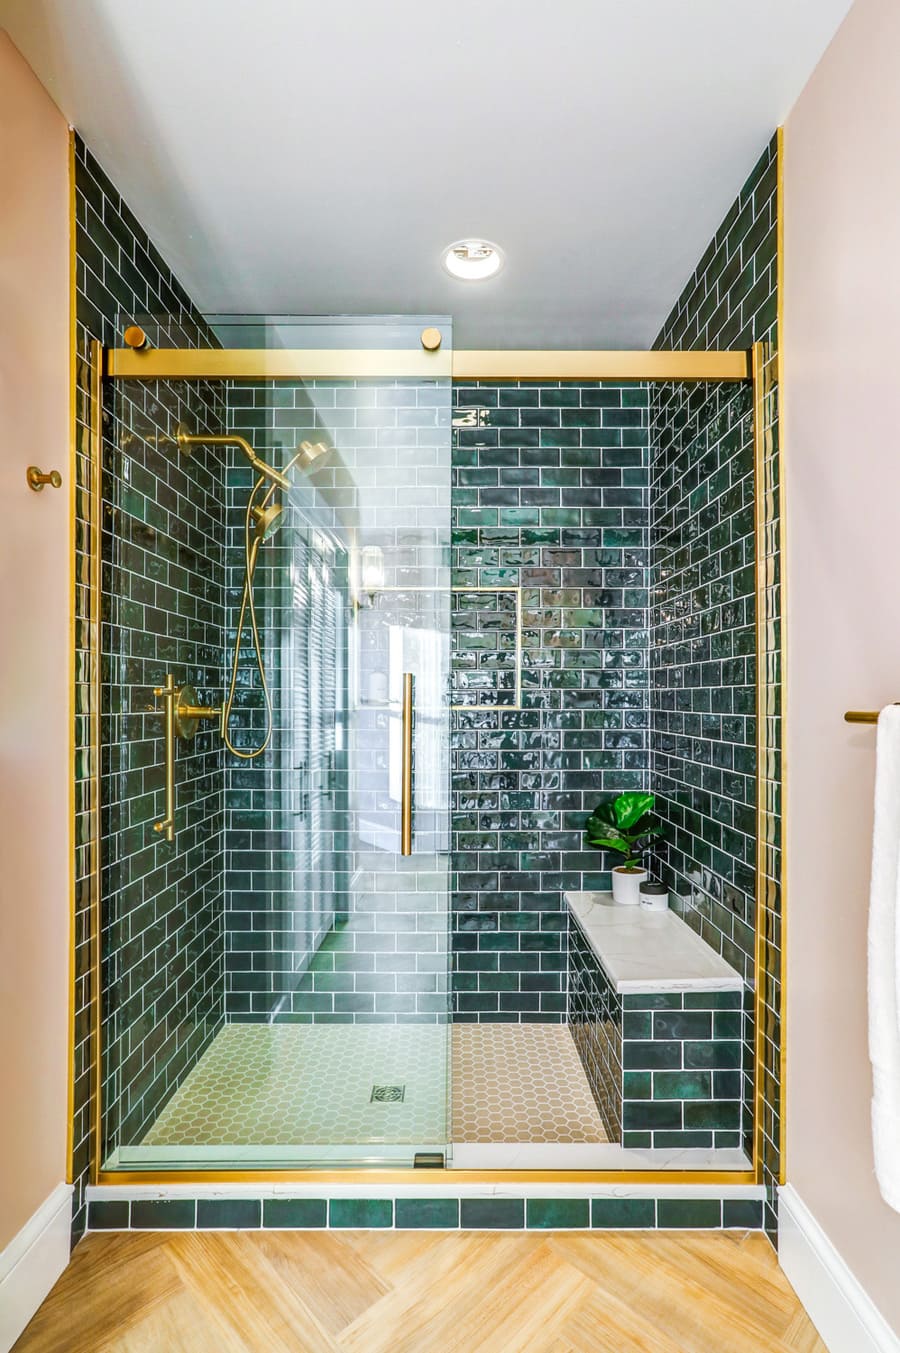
(230, 1214)
(682, 1085)
(490, 1214)
(688, 1213)
(111, 1215)
(557, 1213)
(741, 1213)
(614, 1214)
(364, 1213)
(437, 1214)
(163, 1214)
(294, 1213)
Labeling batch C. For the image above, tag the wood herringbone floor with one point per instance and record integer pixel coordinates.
(422, 1292)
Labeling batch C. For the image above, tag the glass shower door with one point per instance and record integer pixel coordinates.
(314, 1014)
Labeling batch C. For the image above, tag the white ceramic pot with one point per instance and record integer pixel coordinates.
(626, 885)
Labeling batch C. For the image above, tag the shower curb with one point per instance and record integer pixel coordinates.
(471, 1207)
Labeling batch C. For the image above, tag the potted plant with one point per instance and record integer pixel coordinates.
(624, 824)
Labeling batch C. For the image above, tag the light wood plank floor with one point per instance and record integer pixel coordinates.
(422, 1292)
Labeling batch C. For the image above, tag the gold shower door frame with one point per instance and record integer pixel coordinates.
(755, 366)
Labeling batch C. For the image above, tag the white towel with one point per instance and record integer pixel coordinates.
(884, 959)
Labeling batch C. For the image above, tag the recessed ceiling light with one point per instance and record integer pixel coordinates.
(472, 260)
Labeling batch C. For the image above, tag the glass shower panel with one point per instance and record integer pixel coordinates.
(301, 909)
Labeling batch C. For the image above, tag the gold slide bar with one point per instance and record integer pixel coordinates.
(387, 363)
(557, 364)
(276, 363)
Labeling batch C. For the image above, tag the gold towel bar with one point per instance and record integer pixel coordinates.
(863, 715)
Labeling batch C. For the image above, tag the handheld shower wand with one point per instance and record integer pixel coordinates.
(261, 520)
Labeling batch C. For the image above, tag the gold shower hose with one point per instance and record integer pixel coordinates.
(252, 542)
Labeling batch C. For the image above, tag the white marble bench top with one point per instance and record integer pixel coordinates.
(642, 950)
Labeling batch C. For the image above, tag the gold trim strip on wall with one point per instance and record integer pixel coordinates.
(73, 702)
(783, 635)
(406, 772)
(94, 723)
(276, 363)
(373, 363)
(758, 377)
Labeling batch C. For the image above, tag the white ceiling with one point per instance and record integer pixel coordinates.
(313, 158)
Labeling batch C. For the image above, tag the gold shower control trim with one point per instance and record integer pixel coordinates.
(407, 767)
(188, 712)
(182, 714)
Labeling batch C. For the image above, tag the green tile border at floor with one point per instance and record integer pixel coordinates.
(435, 1214)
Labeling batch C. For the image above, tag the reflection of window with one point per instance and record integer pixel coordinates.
(422, 652)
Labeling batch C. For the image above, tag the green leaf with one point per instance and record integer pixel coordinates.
(604, 812)
(630, 807)
(612, 843)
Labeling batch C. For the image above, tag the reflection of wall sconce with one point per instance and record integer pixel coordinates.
(371, 574)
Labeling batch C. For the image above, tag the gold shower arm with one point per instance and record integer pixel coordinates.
(186, 439)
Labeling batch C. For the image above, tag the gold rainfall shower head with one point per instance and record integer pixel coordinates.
(309, 453)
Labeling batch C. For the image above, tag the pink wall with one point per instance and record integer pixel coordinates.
(842, 449)
(34, 644)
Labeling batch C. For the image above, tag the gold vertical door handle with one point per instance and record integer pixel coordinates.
(169, 694)
(407, 767)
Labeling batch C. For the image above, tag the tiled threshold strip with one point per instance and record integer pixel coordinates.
(435, 1208)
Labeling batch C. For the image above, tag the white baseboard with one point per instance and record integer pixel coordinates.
(839, 1307)
(32, 1262)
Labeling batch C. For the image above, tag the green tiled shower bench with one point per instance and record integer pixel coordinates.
(657, 1017)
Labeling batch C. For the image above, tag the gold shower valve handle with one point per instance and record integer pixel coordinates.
(430, 339)
(199, 711)
(37, 479)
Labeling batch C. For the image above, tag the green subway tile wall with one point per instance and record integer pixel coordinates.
(163, 593)
(702, 655)
(550, 495)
